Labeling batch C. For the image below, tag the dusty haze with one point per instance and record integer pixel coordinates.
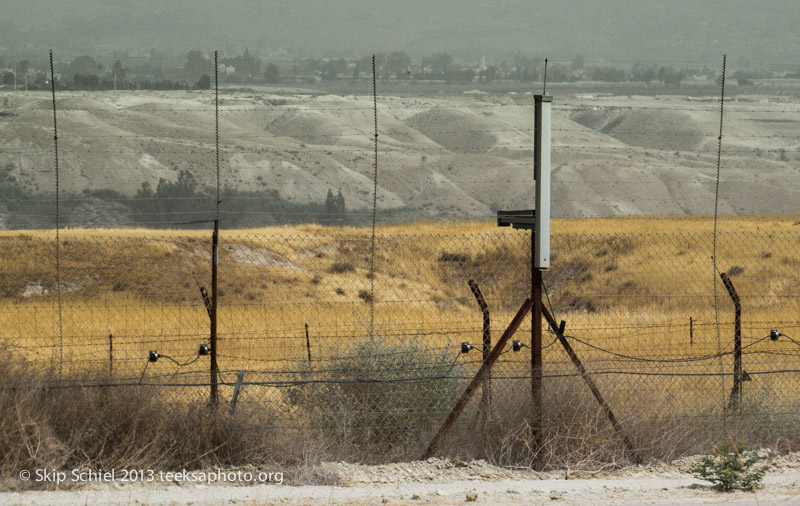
(677, 30)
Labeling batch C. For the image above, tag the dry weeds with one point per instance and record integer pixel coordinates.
(608, 280)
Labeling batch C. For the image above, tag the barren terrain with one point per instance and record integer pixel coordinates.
(458, 156)
(442, 482)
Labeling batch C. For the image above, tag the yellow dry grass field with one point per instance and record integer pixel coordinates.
(629, 286)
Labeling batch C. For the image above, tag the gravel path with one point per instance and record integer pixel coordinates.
(441, 482)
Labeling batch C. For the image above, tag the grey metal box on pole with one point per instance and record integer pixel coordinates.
(541, 173)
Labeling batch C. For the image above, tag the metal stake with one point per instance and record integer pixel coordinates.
(587, 378)
(308, 345)
(110, 356)
(214, 295)
(232, 408)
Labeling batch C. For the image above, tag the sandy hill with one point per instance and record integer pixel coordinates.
(446, 155)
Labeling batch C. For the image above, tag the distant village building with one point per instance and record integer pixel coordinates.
(697, 77)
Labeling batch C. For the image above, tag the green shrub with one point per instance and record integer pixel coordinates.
(731, 468)
(376, 400)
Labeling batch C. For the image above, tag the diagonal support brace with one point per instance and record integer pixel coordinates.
(480, 376)
(559, 331)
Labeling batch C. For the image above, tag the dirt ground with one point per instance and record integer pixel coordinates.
(442, 482)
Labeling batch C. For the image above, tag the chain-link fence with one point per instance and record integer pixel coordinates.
(372, 365)
(361, 343)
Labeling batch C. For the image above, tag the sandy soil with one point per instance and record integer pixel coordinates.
(442, 482)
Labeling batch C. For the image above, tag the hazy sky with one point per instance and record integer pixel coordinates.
(625, 30)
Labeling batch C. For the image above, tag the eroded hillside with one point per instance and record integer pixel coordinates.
(444, 156)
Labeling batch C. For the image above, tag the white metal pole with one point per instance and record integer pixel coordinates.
(541, 172)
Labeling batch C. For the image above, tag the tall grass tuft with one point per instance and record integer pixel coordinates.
(137, 426)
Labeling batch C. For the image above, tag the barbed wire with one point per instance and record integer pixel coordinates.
(575, 107)
(521, 130)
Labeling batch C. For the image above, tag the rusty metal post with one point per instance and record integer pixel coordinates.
(540, 252)
(587, 378)
(308, 345)
(478, 379)
(536, 356)
(232, 408)
(486, 387)
(214, 299)
(736, 392)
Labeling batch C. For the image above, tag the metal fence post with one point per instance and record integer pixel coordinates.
(308, 345)
(232, 408)
(214, 297)
(537, 428)
(486, 387)
(736, 392)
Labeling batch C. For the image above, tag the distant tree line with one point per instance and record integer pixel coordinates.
(196, 70)
(183, 203)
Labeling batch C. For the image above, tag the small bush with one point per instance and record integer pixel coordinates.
(731, 468)
(376, 400)
(614, 245)
(342, 267)
(453, 257)
(735, 270)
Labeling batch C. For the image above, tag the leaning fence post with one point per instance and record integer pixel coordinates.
(478, 379)
(308, 345)
(486, 387)
(736, 391)
(232, 408)
(559, 331)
